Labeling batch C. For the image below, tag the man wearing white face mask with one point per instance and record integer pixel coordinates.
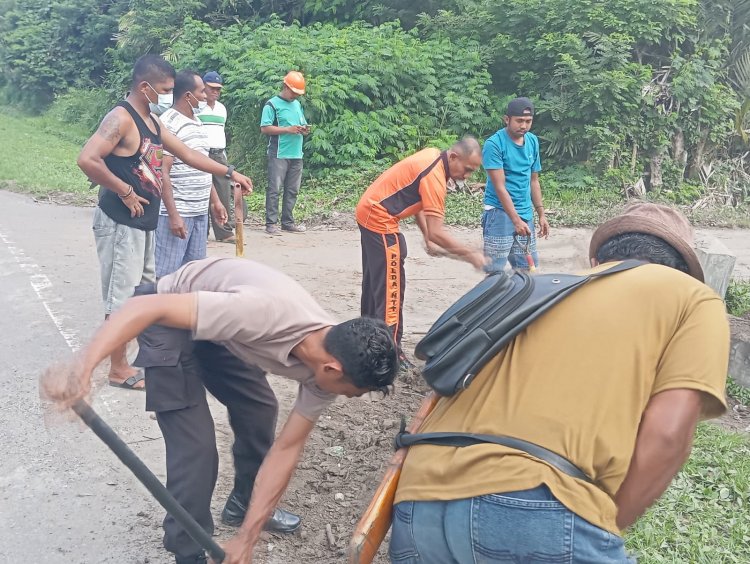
(124, 157)
(186, 191)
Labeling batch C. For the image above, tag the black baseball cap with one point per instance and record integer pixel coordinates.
(520, 107)
(213, 78)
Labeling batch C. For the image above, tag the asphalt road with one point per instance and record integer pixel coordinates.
(64, 498)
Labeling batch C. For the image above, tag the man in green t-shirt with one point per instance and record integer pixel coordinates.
(284, 122)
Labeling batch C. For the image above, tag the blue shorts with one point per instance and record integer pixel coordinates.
(498, 232)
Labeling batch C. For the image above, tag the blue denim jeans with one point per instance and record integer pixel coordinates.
(498, 231)
(523, 527)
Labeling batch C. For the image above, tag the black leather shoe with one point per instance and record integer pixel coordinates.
(283, 522)
(280, 522)
(200, 558)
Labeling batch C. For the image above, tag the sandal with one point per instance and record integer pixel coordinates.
(130, 383)
(231, 240)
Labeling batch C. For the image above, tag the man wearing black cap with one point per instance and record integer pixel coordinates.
(511, 159)
(214, 117)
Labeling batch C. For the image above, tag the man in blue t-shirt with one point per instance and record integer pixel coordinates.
(511, 159)
(284, 122)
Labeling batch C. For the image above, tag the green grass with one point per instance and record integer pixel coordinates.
(704, 517)
(41, 157)
(322, 195)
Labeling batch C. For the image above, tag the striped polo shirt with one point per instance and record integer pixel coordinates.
(215, 120)
(191, 187)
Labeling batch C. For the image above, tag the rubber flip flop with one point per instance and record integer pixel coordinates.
(130, 383)
(230, 240)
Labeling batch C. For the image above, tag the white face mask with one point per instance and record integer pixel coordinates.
(164, 102)
(201, 105)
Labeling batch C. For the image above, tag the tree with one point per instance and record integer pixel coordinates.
(45, 47)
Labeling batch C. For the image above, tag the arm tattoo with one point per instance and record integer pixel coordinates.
(110, 128)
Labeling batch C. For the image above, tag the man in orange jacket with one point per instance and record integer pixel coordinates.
(415, 186)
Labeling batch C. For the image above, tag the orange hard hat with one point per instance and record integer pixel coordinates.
(295, 81)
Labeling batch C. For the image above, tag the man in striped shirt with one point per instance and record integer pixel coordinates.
(214, 117)
(186, 191)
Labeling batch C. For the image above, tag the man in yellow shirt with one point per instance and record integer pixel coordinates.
(614, 378)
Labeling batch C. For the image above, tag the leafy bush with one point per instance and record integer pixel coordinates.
(46, 47)
(78, 112)
(738, 297)
(372, 92)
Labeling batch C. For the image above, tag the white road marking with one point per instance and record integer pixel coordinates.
(42, 286)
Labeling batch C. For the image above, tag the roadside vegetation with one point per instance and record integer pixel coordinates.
(738, 297)
(572, 197)
(635, 99)
(41, 161)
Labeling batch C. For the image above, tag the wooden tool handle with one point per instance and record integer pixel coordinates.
(239, 241)
(239, 230)
(376, 521)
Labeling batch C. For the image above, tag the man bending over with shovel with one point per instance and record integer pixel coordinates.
(221, 323)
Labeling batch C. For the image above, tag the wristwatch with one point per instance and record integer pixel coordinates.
(230, 170)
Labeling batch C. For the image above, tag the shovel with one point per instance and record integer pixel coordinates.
(147, 478)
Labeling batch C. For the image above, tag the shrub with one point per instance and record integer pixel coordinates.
(372, 92)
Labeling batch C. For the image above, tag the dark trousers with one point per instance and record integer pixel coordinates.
(286, 174)
(177, 369)
(226, 194)
(384, 278)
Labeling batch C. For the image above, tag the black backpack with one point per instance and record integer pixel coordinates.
(488, 317)
(475, 329)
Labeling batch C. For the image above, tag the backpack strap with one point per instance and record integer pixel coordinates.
(567, 285)
(404, 439)
(624, 265)
(275, 113)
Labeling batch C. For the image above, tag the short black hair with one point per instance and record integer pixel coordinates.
(185, 81)
(151, 68)
(641, 246)
(366, 350)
